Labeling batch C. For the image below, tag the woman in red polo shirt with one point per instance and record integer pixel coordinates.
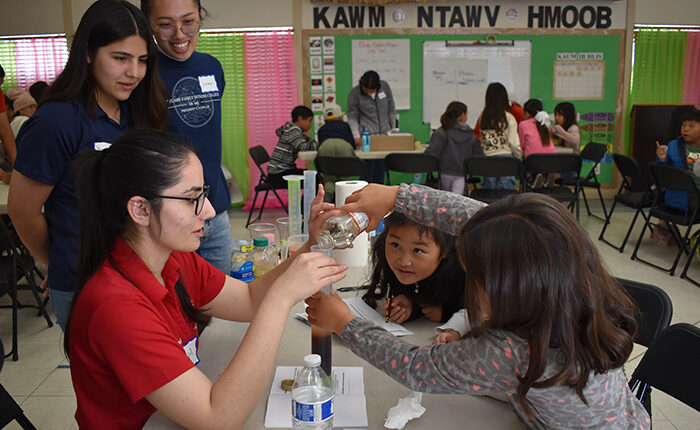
(141, 290)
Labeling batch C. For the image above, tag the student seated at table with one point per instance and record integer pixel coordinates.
(141, 291)
(566, 130)
(453, 143)
(293, 137)
(334, 126)
(550, 330)
(416, 268)
(684, 152)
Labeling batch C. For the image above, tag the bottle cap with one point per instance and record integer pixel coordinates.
(312, 360)
(287, 384)
(260, 241)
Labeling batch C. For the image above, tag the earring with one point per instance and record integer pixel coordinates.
(415, 288)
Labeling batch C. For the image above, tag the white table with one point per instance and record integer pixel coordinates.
(309, 156)
(220, 340)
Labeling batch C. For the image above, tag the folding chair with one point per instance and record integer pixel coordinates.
(593, 152)
(260, 157)
(492, 166)
(654, 310)
(413, 163)
(638, 200)
(556, 163)
(333, 169)
(9, 409)
(16, 263)
(671, 178)
(671, 365)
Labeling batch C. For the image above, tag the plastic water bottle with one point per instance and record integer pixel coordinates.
(264, 258)
(312, 397)
(339, 231)
(365, 141)
(242, 261)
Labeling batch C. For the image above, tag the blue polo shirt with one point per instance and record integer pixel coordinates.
(48, 145)
(195, 87)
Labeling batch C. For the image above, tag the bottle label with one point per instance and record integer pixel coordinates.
(361, 220)
(312, 412)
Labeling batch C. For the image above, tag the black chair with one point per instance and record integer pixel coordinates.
(413, 163)
(671, 365)
(9, 409)
(333, 169)
(671, 178)
(547, 164)
(593, 152)
(638, 200)
(17, 264)
(492, 166)
(654, 310)
(260, 157)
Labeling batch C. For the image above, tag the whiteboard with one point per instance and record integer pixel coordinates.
(391, 58)
(461, 71)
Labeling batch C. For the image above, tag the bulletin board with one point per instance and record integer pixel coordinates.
(598, 115)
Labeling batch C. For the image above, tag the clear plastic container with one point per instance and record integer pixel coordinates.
(242, 261)
(339, 231)
(264, 256)
(312, 397)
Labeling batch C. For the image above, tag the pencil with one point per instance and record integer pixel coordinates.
(388, 307)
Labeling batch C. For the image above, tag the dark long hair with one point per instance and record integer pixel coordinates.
(493, 117)
(449, 118)
(139, 163)
(383, 277)
(105, 22)
(558, 300)
(568, 111)
(533, 106)
(146, 9)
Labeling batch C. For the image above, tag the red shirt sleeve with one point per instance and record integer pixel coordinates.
(3, 107)
(517, 112)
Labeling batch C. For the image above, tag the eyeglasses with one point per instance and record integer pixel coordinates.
(168, 30)
(198, 201)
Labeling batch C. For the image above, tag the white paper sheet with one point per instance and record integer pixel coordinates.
(362, 310)
(350, 405)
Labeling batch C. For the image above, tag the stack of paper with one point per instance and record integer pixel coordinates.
(362, 310)
(349, 403)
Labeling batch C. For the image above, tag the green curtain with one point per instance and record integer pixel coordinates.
(228, 49)
(7, 60)
(657, 72)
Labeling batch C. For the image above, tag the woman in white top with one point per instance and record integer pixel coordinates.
(499, 133)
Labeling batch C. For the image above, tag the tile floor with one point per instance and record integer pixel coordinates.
(40, 381)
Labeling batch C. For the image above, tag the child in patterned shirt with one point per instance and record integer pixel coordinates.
(550, 330)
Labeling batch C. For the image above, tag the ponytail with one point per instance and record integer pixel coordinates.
(534, 108)
(449, 118)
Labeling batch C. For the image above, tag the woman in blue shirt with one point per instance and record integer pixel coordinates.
(110, 84)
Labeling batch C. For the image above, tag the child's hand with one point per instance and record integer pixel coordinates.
(401, 308)
(329, 312)
(432, 312)
(661, 151)
(446, 336)
(375, 200)
(320, 212)
(307, 274)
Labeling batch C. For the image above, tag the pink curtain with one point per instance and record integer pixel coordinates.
(271, 94)
(40, 59)
(691, 75)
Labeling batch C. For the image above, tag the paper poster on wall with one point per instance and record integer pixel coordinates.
(329, 98)
(328, 45)
(315, 65)
(328, 64)
(317, 103)
(316, 84)
(329, 84)
(579, 80)
(315, 45)
(391, 59)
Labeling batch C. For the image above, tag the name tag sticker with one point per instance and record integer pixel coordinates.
(100, 146)
(381, 95)
(208, 83)
(191, 350)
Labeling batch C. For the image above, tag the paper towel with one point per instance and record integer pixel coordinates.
(358, 254)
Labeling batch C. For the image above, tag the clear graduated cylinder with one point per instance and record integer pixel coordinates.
(312, 397)
(339, 231)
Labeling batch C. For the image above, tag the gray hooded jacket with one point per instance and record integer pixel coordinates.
(376, 115)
